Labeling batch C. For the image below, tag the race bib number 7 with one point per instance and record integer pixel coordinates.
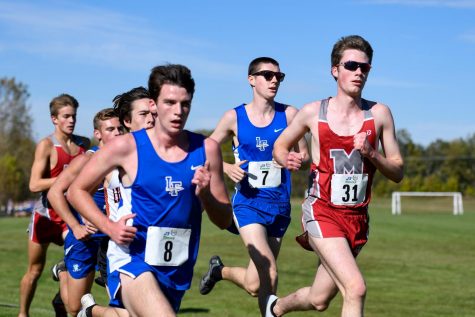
(264, 174)
(348, 189)
(167, 246)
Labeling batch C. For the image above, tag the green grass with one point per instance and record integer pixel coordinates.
(418, 264)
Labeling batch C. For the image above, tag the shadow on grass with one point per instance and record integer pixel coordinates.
(9, 305)
(193, 310)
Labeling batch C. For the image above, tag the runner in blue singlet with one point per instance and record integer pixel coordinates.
(261, 202)
(173, 175)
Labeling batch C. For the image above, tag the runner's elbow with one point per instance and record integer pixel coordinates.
(34, 187)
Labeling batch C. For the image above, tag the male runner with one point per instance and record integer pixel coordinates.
(134, 109)
(261, 203)
(52, 155)
(346, 133)
(82, 243)
(173, 175)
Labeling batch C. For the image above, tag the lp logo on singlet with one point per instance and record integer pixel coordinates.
(173, 187)
(261, 144)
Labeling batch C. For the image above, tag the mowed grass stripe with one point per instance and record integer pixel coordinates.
(416, 264)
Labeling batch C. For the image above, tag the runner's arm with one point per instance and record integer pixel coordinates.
(57, 199)
(79, 194)
(292, 136)
(211, 188)
(226, 128)
(390, 163)
(40, 167)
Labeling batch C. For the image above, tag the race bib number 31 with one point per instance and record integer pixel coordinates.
(348, 189)
(167, 246)
(264, 174)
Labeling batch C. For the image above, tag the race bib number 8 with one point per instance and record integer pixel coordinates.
(264, 174)
(167, 246)
(348, 189)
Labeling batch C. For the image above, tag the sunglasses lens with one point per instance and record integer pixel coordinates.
(279, 76)
(268, 75)
(352, 66)
(365, 67)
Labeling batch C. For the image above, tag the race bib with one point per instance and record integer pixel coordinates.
(264, 174)
(348, 189)
(167, 246)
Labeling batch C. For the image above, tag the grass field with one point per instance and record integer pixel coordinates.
(421, 263)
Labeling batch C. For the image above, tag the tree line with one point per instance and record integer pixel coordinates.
(447, 166)
(439, 166)
(17, 145)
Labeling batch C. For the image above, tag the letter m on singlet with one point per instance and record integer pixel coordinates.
(346, 164)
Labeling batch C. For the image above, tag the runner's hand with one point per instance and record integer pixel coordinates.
(201, 179)
(234, 171)
(294, 161)
(120, 232)
(361, 143)
(80, 232)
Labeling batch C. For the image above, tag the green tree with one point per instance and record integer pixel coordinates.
(11, 177)
(16, 141)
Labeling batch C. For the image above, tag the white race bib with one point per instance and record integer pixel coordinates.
(264, 174)
(348, 189)
(167, 246)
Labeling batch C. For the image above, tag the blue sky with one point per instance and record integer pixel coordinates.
(423, 65)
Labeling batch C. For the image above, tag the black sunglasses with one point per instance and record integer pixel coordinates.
(268, 75)
(352, 66)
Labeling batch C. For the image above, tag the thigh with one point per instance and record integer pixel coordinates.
(37, 255)
(77, 288)
(323, 288)
(255, 238)
(338, 260)
(142, 296)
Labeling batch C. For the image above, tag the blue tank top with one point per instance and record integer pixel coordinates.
(162, 195)
(98, 198)
(256, 145)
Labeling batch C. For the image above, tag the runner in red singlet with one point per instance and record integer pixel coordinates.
(52, 155)
(347, 131)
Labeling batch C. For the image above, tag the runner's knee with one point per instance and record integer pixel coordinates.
(73, 311)
(356, 290)
(252, 288)
(34, 272)
(319, 303)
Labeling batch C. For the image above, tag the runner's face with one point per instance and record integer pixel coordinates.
(108, 130)
(351, 82)
(65, 120)
(266, 89)
(140, 116)
(173, 108)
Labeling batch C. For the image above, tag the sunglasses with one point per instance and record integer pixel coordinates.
(268, 75)
(353, 66)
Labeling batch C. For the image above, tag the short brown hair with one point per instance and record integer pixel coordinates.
(103, 115)
(172, 74)
(350, 42)
(61, 101)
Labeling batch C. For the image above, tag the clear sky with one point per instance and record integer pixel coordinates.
(423, 65)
